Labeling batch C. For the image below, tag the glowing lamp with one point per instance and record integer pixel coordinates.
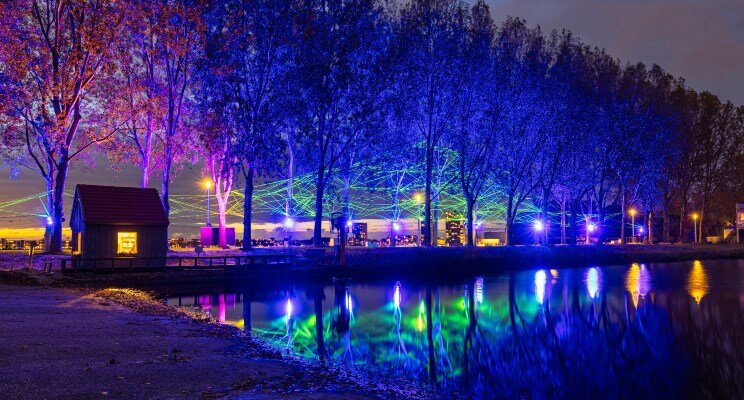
(640, 229)
(49, 220)
(632, 212)
(417, 198)
(207, 184)
(396, 226)
(591, 227)
(288, 223)
(349, 224)
(288, 308)
(695, 216)
(538, 226)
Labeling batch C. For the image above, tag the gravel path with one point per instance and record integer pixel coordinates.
(67, 344)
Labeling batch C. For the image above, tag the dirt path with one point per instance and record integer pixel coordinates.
(64, 344)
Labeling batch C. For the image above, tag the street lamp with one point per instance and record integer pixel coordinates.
(694, 224)
(208, 185)
(418, 198)
(632, 213)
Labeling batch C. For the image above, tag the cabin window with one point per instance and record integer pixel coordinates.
(127, 243)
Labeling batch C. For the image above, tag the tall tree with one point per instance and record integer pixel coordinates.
(55, 72)
(340, 49)
(472, 139)
(427, 76)
(180, 44)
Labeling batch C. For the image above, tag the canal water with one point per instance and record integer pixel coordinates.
(631, 331)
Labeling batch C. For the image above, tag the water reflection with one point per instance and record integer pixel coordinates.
(541, 279)
(638, 282)
(544, 333)
(697, 282)
(592, 278)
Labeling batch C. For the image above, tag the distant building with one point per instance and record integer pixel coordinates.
(358, 234)
(111, 221)
(453, 231)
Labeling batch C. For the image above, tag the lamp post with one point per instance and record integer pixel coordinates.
(694, 224)
(208, 185)
(418, 198)
(632, 213)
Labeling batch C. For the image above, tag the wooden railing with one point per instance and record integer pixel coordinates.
(175, 262)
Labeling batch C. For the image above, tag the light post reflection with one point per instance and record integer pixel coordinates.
(541, 279)
(638, 282)
(593, 280)
(697, 282)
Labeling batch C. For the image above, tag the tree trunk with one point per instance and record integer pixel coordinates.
(248, 209)
(470, 223)
(622, 219)
(508, 240)
(563, 220)
(435, 222)
(392, 234)
(666, 228)
(55, 242)
(651, 227)
(319, 189)
(573, 209)
(683, 217)
(427, 195)
(222, 227)
(165, 185)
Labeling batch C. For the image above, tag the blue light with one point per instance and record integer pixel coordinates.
(49, 220)
(538, 226)
(592, 280)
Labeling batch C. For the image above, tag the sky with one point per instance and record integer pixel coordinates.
(699, 40)
(702, 41)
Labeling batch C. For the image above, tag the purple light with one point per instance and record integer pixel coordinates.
(592, 227)
(349, 224)
(288, 223)
(396, 226)
(640, 229)
(49, 220)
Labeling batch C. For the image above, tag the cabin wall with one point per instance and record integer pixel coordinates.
(100, 241)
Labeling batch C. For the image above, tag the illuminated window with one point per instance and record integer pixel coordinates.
(127, 243)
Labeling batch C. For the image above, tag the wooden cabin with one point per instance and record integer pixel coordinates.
(112, 221)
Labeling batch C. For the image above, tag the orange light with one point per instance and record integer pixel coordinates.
(695, 216)
(632, 212)
(207, 184)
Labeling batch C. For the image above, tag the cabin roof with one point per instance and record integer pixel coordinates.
(115, 205)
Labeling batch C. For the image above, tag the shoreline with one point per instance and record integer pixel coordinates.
(161, 342)
(427, 265)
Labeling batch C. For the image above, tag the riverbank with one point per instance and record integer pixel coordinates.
(485, 259)
(120, 343)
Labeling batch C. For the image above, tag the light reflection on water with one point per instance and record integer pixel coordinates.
(630, 331)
